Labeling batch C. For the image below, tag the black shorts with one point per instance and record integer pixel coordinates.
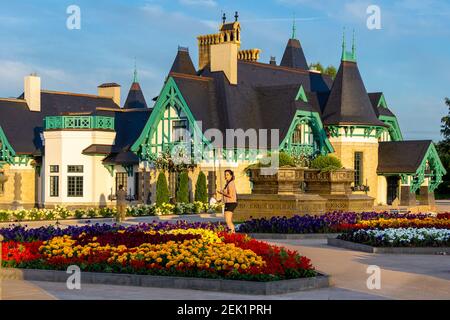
(230, 206)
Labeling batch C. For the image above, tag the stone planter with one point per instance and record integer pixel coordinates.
(336, 182)
(288, 180)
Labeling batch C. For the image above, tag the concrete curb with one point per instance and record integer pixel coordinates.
(386, 250)
(292, 236)
(233, 286)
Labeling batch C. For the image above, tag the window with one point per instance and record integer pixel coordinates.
(75, 169)
(54, 186)
(297, 135)
(2, 183)
(121, 179)
(75, 186)
(54, 169)
(179, 130)
(358, 165)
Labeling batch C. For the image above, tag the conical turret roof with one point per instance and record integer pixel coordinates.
(135, 98)
(293, 56)
(183, 62)
(348, 102)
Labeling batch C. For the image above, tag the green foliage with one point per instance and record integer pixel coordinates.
(20, 215)
(162, 191)
(326, 163)
(182, 194)
(5, 215)
(443, 149)
(201, 193)
(286, 160)
(330, 70)
(79, 214)
(91, 213)
(107, 212)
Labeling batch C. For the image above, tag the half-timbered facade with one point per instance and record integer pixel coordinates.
(75, 149)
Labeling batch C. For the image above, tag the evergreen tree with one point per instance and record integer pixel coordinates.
(183, 188)
(443, 148)
(162, 190)
(201, 193)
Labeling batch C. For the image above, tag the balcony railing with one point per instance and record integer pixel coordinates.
(79, 122)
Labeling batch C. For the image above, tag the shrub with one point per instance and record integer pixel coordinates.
(62, 212)
(285, 160)
(79, 214)
(201, 193)
(20, 215)
(106, 212)
(35, 214)
(50, 214)
(326, 163)
(183, 188)
(5, 215)
(91, 213)
(162, 191)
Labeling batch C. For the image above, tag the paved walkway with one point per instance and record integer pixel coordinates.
(402, 277)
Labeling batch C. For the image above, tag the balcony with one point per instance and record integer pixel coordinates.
(79, 123)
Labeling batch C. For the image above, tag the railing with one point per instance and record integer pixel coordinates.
(79, 122)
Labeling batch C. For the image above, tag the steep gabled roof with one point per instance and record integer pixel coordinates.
(183, 63)
(348, 102)
(375, 98)
(23, 127)
(401, 156)
(135, 98)
(293, 56)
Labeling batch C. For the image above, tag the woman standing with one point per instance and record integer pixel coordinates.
(229, 198)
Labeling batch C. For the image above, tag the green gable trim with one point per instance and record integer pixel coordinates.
(170, 95)
(320, 136)
(432, 167)
(301, 95)
(394, 128)
(349, 131)
(7, 153)
(382, 102)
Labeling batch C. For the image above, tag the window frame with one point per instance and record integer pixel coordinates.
(358, 159)
(51, 186)
(73, 168)
(76, 189)
(54, 168)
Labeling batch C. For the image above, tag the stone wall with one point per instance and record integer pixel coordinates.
(345, 151)
(20, 188)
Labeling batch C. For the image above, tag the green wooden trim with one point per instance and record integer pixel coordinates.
(170, 95)
(110, 168)
(79, 122)
(382, 102)
(22, 159)
(129, 169)
(435, 167)
(301, 95)
(7, 152)
(349, 131)
(394, 128)
(320, 136)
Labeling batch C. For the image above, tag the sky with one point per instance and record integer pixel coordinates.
(408, 58)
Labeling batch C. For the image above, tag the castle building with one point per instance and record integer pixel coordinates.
(60, 148)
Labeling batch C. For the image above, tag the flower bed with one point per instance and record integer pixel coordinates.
(60, 213)
(153, 249)
(341, 221)
(400, 237)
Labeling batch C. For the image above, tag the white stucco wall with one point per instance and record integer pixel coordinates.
(65, 148)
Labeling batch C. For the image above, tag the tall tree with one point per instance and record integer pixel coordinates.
(201, 194)
(330, 70)
(443, 148)
(183, 188)
(162, 190)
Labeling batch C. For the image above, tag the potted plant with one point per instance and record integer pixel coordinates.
(288, 178)
(327, 176)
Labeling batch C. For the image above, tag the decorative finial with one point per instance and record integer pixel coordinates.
(353, 46)
(135, 79)
(236, 16)
(343, 44)
(224, 18)
(293, 28)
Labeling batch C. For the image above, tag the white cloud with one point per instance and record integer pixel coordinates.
(206, 3)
